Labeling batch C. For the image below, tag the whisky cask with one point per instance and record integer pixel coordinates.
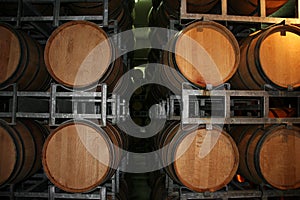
(21, 60)
(79, 54)
(20, 150)
(269, 57)
(269, 155)
(204, 52)
(78, 156)
(282, 112)
(200, 159)
(116, 11)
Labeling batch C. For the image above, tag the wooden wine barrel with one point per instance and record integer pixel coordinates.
(200, 159)
(116, 11)
(21, 60)
(251, 7)
(269, 154)
(20, 150)
(78, 156)
(79, 54)
(282, 112)
(204, 53)
(269, 57)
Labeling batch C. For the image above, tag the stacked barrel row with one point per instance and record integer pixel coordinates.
(206, 53)
(78, 155)
(118, 10)
(21, 150)
(163, 11)
(208, 159)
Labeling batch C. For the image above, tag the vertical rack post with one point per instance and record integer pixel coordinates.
(103, 193)
(51, 192)
(56, 9)
(298, 9)
(12, 192)
(103, 103)
(113, 187)
(262, 7)
(224, 7)
(227, 105)
(183, 11)
(52, 105)
(105, 13)
(15, 104)
(185, 106)
(266, 106)
(19, 13)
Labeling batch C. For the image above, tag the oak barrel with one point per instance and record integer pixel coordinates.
(251, 7)
(269, 155)
(198, 158)
(79, 54)
(269, 57)
(161, 14)
(282, 112)
(204, 52)
(78, 156)
(20, 150)
(21, 60)
(116, 11)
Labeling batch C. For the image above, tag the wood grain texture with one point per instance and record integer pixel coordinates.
(8, 154)
(10, 53)
(282, 112)
(279, 158)
(242, 137)
(21, 147)
(21, 60)
(78, 53)
(209, 161)
(200, 159)
(269, 57)
(279, 58)
(206, 53)
(78, 156)
(269, 155)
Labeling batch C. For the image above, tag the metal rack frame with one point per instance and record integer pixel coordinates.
(111, 108)
(262, 192)
(51, 192)
(56, 18)
(226, 97)
(197, 97)
(236, 18)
